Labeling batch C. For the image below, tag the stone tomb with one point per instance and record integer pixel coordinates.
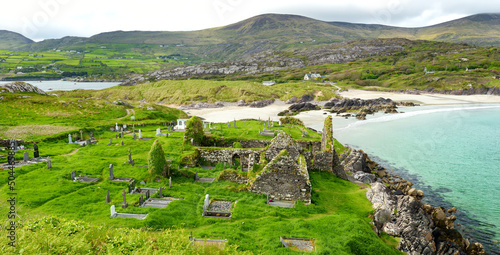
(208, 242)
(302, 244)
(158, 202)
(84, 179)
(114, 214)
(217, 208)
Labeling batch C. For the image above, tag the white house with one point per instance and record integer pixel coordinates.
(181, 124)
(312, 76)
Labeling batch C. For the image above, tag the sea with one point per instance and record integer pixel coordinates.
(55, 85)
(452, 153)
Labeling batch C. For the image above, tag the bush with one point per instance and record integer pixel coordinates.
(194, 130)
(292, 121)
(157, 165)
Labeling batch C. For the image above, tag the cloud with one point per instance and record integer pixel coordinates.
(40, 19)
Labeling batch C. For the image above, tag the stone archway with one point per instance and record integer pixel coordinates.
(236, 160)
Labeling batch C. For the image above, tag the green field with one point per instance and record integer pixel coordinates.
(59, 216)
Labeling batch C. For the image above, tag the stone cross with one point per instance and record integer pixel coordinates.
(160, 194)
(81, 135)
(111, 175)
(108, 199)
(170, 182)
(70, 139)
(26, 157)
(125, 204)
(49, 163)
(36, 153)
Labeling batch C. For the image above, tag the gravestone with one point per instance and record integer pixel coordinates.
(170, 182)
(122, 143)
(116, 127)
(111, 175)
(92, 136)
(81, 135)
(49, 163)
(143, 124)
(125, 204)
(140, 135)
(73, 175)
(160, 194)
(121, 136)
(129, 189)
(15, 146)
(133, 128)
(124, 126)
(134, 136)
(70, 139)
(36, 154)
(116, 136)
(279, 122)
(110, 141)
(147, 194)
(228, 124)
(158, 131)
(196, 176)
(108, 199)
(130, 160)
(26, 156)
(141, 200)
(113, 212)
(206, 204)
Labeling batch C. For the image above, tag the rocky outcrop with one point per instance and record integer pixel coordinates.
(363, 107)
(19, 86)
(299, 107)
(422, 228)
(262, 103)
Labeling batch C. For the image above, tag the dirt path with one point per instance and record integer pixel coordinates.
(71, 153)
(129, 112)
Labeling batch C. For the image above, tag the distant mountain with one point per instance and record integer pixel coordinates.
(10, 40)
(272, 32)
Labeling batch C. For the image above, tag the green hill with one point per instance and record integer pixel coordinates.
(11, 40)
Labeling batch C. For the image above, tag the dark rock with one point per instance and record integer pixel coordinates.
(263, 103)
(291, 100)
(19, 86)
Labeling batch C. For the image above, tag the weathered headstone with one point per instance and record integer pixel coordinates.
(130, 160)
(129, 189)
(70, 139)
(196, 176)
(122, 143)
(111, 175)
(26, 156)
(267, 198)
(92, 135)
(36, 154)
(206, 204)
(134, 136)
(124, 126)
(49, 163)
(110, 141)
(279, 122)
(125, 204)
(133, 128)
(116, 136)
(141, 200)
(160, 194)
(116, 127)
(158, 131)
(228, 124)
(113, 212)
(140, 135)
(81, 135)
(170, 182)
(73, 175)
(147, 194)
(108, 198)
(122, 135)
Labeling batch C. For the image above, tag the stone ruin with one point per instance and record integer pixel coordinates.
(285, 176)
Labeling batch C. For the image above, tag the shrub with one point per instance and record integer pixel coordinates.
(194, 130)
(157, 165)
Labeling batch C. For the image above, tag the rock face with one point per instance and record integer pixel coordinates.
(19, 86)
(299, 107)
(364, 107)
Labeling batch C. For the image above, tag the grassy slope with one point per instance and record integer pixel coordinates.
(338, 218)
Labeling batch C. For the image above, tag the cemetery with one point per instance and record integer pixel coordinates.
(234, 184)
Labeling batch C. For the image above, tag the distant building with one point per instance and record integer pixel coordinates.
(181, 124)
(312, 76)
(268, 83)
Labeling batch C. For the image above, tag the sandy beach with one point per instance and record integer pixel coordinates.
(229, 113)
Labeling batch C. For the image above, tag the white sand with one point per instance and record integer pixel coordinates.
(426, 99)
(230, 113)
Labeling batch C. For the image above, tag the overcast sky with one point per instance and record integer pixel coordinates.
(45, 19)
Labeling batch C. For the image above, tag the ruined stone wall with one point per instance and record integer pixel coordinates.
(254, 144)
(322, 161)
(247, 157)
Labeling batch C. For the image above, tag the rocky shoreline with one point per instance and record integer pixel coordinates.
(399, 211)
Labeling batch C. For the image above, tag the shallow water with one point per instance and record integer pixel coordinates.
(68, 85)
(452, 153)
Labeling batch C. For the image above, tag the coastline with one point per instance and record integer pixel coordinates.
(229, 113)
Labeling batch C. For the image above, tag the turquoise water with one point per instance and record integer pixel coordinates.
(450, 152)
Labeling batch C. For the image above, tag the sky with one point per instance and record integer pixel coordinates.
(48, 19)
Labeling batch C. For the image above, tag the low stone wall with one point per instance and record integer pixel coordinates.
(247, 157)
